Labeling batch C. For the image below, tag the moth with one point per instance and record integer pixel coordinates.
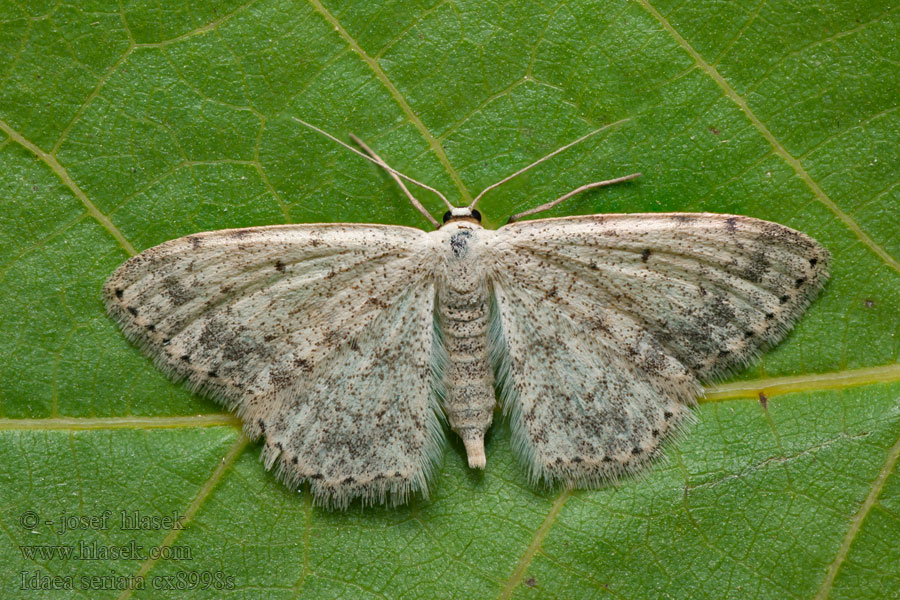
(347, 346)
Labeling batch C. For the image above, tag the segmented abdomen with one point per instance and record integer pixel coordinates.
(468, 378)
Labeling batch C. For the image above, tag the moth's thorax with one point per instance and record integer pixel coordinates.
(463, 300)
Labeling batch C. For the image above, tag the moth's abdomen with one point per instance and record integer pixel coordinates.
(468, 378)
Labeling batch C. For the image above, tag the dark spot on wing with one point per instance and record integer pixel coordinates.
(133, 311)
(757, 267)
(119, 293)
(279, 266)
(720, 312)
(731, 224)
(377, 303)
(800, 282)
(233, 346)
(177, 292)
(213, 334)
(280, 378)
(645, 254)
(813, 261)
(186, 358)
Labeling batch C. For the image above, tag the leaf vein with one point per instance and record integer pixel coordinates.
(856, 523)
(516, 578)
(379, 73)
(792, 161)
(50, 160)
(227, 461)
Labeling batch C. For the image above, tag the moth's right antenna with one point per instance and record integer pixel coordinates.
(412, 199)
(378, 161)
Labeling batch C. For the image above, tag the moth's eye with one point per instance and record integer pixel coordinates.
(473, 215)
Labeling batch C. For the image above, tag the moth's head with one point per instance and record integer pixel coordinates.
(463, 213)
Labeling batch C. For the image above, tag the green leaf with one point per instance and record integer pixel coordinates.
(126, 124)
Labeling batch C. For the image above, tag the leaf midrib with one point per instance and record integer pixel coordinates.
(772, 387)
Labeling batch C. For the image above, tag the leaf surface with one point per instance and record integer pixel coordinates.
(125, 125)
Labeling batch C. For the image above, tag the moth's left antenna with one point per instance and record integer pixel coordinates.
(549, 156)
(397, 175)
(566, 196)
